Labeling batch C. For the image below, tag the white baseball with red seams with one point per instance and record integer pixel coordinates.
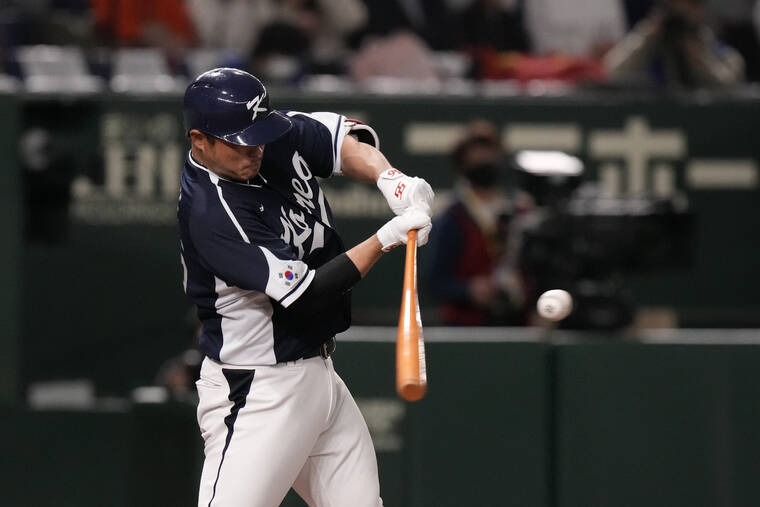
(555, 304)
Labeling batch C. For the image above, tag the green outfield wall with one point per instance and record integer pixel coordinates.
(657, 424)
(11, 263)
(509, 420)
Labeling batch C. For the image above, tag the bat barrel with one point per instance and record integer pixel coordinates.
(412, 391)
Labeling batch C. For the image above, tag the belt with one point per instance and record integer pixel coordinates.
(325, 350)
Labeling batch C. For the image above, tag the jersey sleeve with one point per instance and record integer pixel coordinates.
(320, 138)
(241, 251)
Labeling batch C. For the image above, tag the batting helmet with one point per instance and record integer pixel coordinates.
(233, 105)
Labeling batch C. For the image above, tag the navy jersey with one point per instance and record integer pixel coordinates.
(249, 250)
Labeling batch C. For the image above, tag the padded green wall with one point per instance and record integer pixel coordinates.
(572, 424)
(10, 253)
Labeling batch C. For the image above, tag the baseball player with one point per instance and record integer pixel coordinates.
(271, 280)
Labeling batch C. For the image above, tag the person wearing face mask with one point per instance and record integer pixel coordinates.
(470, 272)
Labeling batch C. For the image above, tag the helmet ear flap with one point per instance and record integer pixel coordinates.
(363, 133)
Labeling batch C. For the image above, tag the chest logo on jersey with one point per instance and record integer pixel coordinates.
(302, 191)
(296, 228)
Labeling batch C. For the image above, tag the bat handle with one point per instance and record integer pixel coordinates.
(410, 272)
(411, 239)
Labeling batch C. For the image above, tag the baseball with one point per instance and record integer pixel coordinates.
(555, 304)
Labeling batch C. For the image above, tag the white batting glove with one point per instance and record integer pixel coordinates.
(404, 192)
(394, 233)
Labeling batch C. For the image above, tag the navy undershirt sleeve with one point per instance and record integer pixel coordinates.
(331, 281)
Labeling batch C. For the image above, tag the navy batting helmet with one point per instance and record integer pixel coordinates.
(234, 106)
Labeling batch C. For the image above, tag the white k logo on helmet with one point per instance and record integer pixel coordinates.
(254, 105)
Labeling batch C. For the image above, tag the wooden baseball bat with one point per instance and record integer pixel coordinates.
(411, 375)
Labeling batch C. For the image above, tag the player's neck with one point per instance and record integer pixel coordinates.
(199, 158)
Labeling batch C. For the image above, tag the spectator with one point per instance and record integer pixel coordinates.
(336, 20)
(233, 25)
(733, 24)
(179, 374)
(431, 20)
(564, 48)
(493, 24)
(636, 10)
(585, 28)
(27, 22)
(401, 55)
(469, 271)
(674, 46)
(311, 33)
(161, 23)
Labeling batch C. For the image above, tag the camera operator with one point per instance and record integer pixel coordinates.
(470, 272)
(674, 47)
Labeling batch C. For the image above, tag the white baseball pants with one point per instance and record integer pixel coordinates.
(267, 428)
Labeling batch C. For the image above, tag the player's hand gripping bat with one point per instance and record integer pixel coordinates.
(411, 376)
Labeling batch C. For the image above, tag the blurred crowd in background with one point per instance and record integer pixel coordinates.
(660, 43)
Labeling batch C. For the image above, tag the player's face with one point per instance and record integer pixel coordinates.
(237, 162)
(232, 161)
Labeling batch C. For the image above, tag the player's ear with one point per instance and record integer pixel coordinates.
(198, 140)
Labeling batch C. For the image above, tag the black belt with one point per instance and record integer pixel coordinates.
(325, 350)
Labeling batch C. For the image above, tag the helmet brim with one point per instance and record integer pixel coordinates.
(261, 132)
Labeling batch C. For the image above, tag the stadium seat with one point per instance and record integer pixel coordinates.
(198, 61)
(142, 71)
(55, 69)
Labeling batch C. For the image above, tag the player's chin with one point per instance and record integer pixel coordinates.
(249, 171)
